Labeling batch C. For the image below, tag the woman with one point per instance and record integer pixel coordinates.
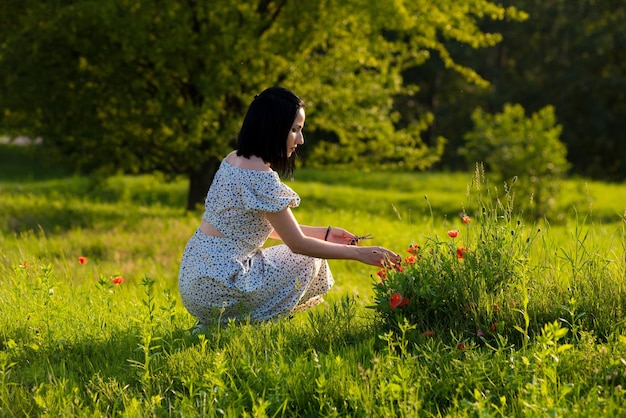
(224, 272)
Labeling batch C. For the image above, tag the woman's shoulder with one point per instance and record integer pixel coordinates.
(244, 163)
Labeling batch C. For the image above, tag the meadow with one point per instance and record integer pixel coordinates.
(91, 323)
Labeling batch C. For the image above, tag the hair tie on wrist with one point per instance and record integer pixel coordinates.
(327, 231)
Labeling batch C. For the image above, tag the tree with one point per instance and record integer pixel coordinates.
(568, 54)
(125, 85)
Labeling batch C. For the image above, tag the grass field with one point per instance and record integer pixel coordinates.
(73, 343)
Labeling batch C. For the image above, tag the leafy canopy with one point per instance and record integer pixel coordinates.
(144, 86)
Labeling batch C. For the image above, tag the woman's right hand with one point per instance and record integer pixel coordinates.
(378, 256)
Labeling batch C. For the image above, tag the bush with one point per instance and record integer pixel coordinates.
(470, 282)
(497, 278)
(514, 147)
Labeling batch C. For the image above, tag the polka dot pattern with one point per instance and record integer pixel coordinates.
(233, 277)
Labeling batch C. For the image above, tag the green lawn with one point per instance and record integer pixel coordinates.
(72, 343)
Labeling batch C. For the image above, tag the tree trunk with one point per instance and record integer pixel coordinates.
(199, 183)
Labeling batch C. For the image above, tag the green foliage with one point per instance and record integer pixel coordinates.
(567, 55)
(520, 150)
(140, 86)
(562, 53)
(497, 278)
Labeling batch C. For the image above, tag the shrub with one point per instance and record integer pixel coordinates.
(457, 284)
(492, 279)
(512, 146)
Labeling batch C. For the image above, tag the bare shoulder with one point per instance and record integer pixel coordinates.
(252, 163)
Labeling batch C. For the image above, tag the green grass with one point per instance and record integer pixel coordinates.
(74, 344)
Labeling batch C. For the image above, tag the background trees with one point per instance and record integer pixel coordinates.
(143, 86)
(570, 54)
(134, 86)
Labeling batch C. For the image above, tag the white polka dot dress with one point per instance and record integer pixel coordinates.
(233, 277)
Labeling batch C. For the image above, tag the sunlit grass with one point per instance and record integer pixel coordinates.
(72, 343)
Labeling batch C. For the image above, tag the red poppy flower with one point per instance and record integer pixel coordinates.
(410, 260)
(428, 333)
(118, 280)
(493, 327)
(413, 249)
(460, 252)
(461, 346)
(453, 233)
(395, 300)
(496, 308)
(404, 302)
(82, 260)
(466, 219)
(382, 274)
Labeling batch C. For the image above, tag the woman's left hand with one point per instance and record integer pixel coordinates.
(341, 236)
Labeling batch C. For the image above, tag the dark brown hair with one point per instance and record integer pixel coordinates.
(266, 126)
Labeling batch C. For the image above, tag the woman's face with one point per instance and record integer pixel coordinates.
(295, 136)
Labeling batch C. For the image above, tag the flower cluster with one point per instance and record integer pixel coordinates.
(392, 294)
(461, 250)
(425, 288)
(453, 286)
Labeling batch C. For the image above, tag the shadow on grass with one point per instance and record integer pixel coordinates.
(108, 370)
(39, 194)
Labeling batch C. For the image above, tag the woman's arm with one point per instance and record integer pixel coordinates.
(286, 226)
(274, 235)
(328, 233)
(314, 231)
(336, 235)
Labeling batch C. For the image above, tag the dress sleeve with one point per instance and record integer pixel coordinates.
(271, 196)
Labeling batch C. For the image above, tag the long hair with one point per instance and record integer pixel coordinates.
(266, 126)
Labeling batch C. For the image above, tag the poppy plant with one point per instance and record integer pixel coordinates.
(410, 260)
(460, 252)
(453, 233)
(413, 249)
(82, 260)
(466, 219)
(382, 274)
(395, 300)
(118, 280)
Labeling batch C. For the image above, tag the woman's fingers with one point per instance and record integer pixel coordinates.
(384, 257)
